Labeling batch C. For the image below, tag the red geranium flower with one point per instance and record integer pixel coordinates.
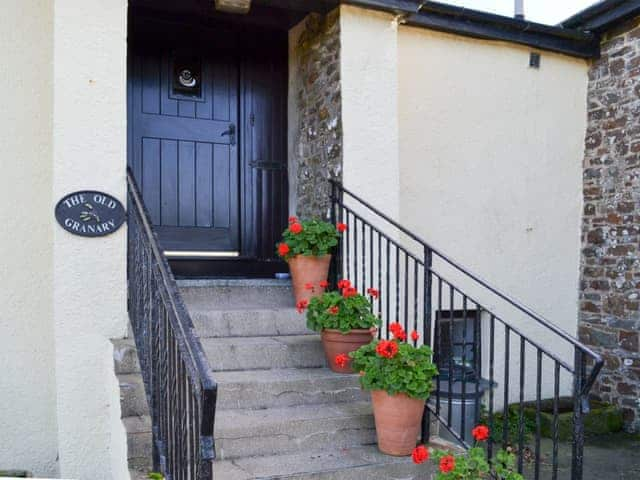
(398, 331)
(341, 227)
(349, 292)
(415, 336)
(344, 283)
(292, 220)
(373, 292)
(342, 360)
(302, 305)
(387, 348)
(308, 286)
(324, 284)
(295, 228)
(447, 464)
(420, 454)
(480, 433)
(283, 249)
(333, 310)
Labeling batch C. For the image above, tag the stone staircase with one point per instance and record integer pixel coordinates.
(134, 408)
(280, 413)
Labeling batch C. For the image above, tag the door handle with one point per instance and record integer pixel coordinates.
(231, 131)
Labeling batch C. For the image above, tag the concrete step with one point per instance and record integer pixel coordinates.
(133, 401)
(243, 433)
(125, 356)
(142, 474)
(237, 294)
(139, 442)
(258, 389)
(254, 353)
(285, 387)
(248, 323)
(355, 463)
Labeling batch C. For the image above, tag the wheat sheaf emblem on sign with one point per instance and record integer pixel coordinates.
(89, 215)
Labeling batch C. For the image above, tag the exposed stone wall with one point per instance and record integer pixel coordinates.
(610, 271)
(318, 128)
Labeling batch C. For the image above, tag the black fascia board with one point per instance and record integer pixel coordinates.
(318, 6)
(488, 26)
(603, 16)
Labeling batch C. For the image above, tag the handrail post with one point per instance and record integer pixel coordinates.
(426, 332)
(580, 402)
(336, 260)
(428, 260)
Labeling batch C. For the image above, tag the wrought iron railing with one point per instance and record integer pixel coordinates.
(180, 388)
(498, 360)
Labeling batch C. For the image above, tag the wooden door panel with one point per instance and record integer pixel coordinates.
(180, 128)
(184, 158)
(265, 148)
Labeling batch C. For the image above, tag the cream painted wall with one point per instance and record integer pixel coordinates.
(28, 437)
(368, 68)
(476, 152)
(491, 162)
(89, 275)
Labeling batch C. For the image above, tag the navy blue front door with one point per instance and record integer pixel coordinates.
(183, 114)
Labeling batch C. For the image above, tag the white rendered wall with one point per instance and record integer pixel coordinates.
(89, 132)
(28, 437)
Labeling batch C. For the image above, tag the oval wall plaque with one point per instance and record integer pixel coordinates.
(90, 213)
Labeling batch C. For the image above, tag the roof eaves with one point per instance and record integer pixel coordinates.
(603, 16)
(488, 26)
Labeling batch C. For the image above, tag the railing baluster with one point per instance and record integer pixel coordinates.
(387, 289)
(505, 422)
(348, 247)
(363, 287)
(406, 293)
(521, 408)
(428, 260)
(477, 363)
(492, 330)
(415, 301)
(335, 259)
(438, 338)
(396, 280)
(538, 413)
(451, 358)
(379, 284)
(463, 415)
(371, 259)
(556, 418)
(578, 419)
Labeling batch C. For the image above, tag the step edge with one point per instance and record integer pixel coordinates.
(391, 460)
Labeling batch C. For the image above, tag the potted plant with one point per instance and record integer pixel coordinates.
(399, 377)
(306, 246)
(472, 464)
(345, 322)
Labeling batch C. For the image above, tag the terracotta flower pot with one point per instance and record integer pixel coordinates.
(398, 420)
(335, 343)
(306, 270)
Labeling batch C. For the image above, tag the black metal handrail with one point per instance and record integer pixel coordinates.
(180, 388)
(379, 252)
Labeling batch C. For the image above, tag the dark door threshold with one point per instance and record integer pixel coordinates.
(225, 268)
